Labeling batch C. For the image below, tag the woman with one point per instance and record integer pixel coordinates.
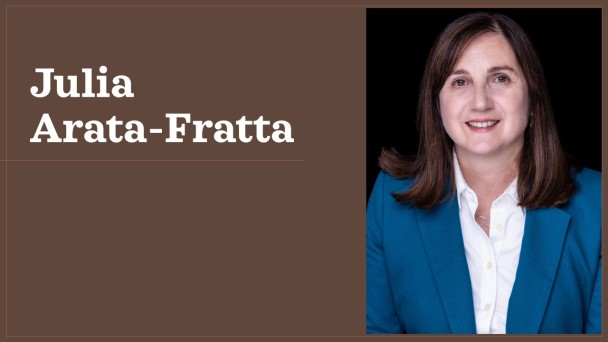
(487, 229)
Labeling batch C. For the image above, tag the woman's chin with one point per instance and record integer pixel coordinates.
(478, 151)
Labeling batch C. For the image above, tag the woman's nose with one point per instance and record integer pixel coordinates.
(482, 99)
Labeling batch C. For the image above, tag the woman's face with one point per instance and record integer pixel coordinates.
(484, 101)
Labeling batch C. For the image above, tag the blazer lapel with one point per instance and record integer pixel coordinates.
(444, 246)
(544, 234)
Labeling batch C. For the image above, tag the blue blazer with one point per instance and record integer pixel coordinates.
(418, 280)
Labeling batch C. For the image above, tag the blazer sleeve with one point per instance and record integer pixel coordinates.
(381, 314)
(594, 313)
(590, 185)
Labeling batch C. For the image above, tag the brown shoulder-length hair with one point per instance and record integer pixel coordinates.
(544, 175)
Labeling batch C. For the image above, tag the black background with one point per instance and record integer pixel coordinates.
(568, 42)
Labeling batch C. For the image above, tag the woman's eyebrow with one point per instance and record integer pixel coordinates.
(459, 72)
(501, 68)
(490, 70)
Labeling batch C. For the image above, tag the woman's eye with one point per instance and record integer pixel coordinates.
(503, 79)
(459, 83)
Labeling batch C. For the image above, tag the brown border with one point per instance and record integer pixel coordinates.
(364, 5)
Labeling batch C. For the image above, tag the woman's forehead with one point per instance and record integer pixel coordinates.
(488, 51)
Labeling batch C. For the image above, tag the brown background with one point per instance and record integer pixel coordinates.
(210, 244)
(162, 240)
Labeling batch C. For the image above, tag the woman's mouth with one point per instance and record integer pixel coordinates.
(482, 124)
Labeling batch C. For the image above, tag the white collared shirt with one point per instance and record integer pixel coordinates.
(492, 259)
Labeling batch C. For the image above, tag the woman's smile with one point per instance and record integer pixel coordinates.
(476, 126)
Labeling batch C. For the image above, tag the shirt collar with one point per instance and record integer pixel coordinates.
(461, 184)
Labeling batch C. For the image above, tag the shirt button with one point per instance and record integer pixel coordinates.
(487, 307)
(489, 265)
(498, 227)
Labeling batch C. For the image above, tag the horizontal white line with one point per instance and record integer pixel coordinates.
(150, 160)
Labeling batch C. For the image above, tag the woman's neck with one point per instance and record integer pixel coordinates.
(488, 176)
